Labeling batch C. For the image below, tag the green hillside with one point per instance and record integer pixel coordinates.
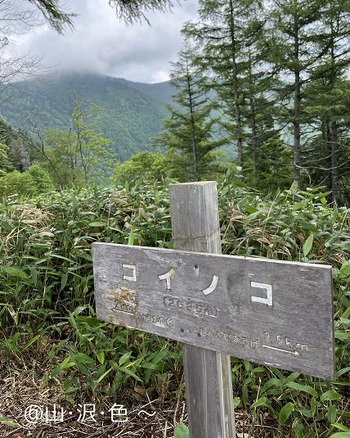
(133, 113)
(162, 91)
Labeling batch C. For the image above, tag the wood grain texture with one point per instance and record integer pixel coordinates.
(208, 376)
(294, 333)
(195, 217)
(270, 312)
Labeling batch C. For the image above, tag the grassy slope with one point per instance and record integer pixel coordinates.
(47, 311)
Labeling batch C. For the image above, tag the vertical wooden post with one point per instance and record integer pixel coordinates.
(195, 227)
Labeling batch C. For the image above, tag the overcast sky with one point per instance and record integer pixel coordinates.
(101, 43)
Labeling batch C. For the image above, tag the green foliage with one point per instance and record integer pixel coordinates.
(181, 431)
(133, 113)
(128, 12)
(149, 166)
(270, 168)
(54, 14)
(135, 11)
(41, 178)
(16, 182)
(14, 153)
(79, 156)
(36, 180)
(5, 162)
(47, 292)
(188, 133)
(274, 75)
(156, 166)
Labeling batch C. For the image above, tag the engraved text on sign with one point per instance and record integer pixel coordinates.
(271, 312)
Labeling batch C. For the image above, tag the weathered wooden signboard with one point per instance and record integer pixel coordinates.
(270, 312)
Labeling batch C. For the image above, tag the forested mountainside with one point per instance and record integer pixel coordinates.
(132, 112)
(162, 91)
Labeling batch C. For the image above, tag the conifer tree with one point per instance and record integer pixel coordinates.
(188, 132)
(328, 99)
(293, 29)
(226, 31)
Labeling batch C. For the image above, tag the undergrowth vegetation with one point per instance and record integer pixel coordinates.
(47, 296)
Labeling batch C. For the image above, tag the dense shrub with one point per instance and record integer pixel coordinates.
(33, 182)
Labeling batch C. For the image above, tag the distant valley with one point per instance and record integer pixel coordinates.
(132, 113)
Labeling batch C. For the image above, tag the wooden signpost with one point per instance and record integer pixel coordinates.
(270, 312)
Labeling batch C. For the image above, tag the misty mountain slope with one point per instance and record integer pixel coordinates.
(163, 91)
(131, 115)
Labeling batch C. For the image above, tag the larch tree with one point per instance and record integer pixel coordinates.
(328, 98)
(293, 27)
(126, 10)
(189, 131)
(225, 32)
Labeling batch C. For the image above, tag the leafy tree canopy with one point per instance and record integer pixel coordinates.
(144, 165)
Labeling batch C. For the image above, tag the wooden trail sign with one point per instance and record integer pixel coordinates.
(208, 374)
(271, 312)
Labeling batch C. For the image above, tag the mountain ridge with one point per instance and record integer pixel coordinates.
(133, 112)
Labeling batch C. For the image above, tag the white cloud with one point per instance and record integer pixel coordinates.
(101, 43)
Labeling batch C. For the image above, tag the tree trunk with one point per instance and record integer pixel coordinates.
(334, 162)
(297, 107)
(236, 90)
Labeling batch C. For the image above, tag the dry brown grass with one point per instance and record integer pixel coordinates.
(20, 387)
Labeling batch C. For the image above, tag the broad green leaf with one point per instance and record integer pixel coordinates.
(251, 217)
(260, 402)
(153, 366)
(82, 358)
(343, 370)
(346, 314)
(101, 357)
(78, 310)
(131, 374)
(345, 270)
(342, 336)
(131, 238)
(340, 435)
(293, 189)
(341, 427)
(56, 256)
(160, 355)
(15, 272)
(332, 414)
(181, 431)
(308, 245)
(34, 275)
(330, 395)
(285, 412)
(64, 280)
(63, 366)
(97, 224)
(124, 358)
(303, 388)
(103, 376)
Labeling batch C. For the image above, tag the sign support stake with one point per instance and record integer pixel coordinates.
(195, 227)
